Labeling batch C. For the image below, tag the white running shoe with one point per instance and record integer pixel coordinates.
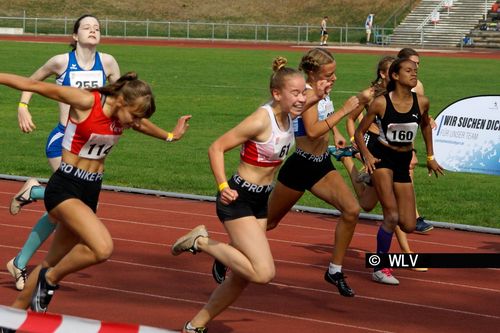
(385, 276)
(189, 329)
(187, 243)
(20, 275)
(23, 197)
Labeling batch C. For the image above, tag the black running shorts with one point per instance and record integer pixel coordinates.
(69, 182)
(252, 200)
(302, 170)
(398, 162)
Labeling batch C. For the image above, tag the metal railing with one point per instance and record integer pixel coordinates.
(436, 9)
(193, 30)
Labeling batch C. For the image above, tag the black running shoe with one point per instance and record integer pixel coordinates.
(6, 330)
(338, 280)
(43, 293)
(422, 226)
(219, 271)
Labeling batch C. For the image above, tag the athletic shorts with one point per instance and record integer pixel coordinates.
(324, 33)
(302, 170)
(252, 200)
(398, 162)
(69, 182)
(53, 148)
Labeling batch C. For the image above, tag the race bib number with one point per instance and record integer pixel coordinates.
(281, 148)
(325, 108)
(86, 79)
(402, 133)
(98, 146)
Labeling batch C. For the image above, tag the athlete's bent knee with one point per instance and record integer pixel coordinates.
(407, 228)
(103, 252)
(264, 275)
(351, 213)
(391, 220)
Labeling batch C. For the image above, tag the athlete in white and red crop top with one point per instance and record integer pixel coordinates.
(94, 137)
(273, 151)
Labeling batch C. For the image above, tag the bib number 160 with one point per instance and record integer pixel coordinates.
(402, 136)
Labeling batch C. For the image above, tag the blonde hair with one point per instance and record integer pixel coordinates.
(280, 73)
(312, 61)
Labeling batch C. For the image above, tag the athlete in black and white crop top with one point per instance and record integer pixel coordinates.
(397, 128)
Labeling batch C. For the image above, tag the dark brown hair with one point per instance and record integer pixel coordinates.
(407, 52)
(132, 91)
(76, 26)
(382, 66)
(395, 67)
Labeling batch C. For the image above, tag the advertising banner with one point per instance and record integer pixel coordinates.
(467, 136)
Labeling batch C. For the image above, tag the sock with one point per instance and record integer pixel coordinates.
(332, 268)
(384, 239)
(40, 232)
(37, 193)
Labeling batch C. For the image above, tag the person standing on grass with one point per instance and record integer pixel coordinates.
(398, 113)
(265, 138)
(368, 27)
(82, 67)
(97, 118)
(323, 31)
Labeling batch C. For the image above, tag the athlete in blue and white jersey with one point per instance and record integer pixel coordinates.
(83, 67)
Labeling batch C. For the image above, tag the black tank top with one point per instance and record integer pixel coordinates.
(396, 128)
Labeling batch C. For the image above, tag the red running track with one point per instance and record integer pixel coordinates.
(142, 283)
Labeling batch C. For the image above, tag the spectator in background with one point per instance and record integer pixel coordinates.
(324, 32)
(368, 27)
(495, 8)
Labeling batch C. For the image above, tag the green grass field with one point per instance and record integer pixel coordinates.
(221, 86)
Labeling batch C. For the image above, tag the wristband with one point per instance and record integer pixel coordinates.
(223, 186)
(352, 138)
(170, 136)
(430, 158)
(23, 105)
(327, 124)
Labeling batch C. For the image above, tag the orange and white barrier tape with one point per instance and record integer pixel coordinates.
(33, 322)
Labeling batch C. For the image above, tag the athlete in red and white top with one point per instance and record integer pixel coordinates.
(93, 137)
(266, 136)
(274, 150)
(81, 239)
